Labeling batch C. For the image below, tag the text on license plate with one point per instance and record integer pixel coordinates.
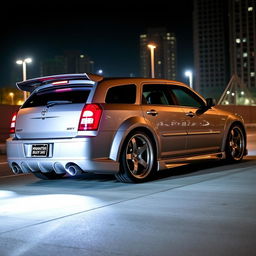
(40, 150)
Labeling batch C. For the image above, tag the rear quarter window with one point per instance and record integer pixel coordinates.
(73, 95)
(125, 94)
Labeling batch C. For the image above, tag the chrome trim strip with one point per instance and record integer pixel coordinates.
(174, 134)
(191, 133)
(204, 133)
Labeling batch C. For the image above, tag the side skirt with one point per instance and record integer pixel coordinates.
(176, 162)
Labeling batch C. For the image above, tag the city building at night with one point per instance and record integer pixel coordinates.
(243, 41)
(210, 47)
(165, 53)
(224, 44)
(70, 62)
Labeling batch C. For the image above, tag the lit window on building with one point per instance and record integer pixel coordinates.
(238, 40)
(245, 54)
(252, 74)
(250, 9)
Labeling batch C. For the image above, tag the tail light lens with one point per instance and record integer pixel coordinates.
(90, 117)
(13, 123)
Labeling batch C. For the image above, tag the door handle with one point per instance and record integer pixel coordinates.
(190, 114)
(152, 112)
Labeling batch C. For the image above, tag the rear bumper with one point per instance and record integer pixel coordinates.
(81, 152)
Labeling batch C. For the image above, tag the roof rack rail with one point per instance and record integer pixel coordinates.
(31, 84)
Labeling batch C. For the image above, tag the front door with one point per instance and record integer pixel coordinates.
(204, 126)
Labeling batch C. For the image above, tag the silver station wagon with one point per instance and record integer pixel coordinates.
(130, 127)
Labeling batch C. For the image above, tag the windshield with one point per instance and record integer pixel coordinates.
(63, 95)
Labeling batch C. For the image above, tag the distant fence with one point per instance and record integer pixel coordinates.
(6, 111)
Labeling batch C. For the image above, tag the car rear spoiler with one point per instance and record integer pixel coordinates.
(31, 84)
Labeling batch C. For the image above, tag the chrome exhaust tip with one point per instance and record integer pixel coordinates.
(16, 169)
(73, 169)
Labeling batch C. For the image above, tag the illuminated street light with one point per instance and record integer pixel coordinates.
(24, 71)
(189, 74)
(11, 94)
(152, 47)
(100, 72)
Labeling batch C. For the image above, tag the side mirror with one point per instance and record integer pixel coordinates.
(210, 102)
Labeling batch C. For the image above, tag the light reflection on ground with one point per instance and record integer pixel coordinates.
(12, 204)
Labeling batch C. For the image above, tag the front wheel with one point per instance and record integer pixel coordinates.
(138, 161)
(235, 145)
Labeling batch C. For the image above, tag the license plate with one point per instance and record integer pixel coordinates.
(40, 150)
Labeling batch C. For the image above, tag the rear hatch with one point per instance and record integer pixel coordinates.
(52, 113)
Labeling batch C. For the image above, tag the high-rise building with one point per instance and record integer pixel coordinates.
(70, 62)
(224, 44)
(211, 59)
(165, 53)
(242, 27)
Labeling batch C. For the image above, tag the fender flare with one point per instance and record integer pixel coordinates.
(230, 122)
(125, 128)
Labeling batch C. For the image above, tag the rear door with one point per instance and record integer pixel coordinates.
(167, 119)
(52, 113)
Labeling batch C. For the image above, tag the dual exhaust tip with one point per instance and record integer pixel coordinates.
(71, 168)
(16, 168)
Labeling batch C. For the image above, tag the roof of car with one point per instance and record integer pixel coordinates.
(117, 80)
(31, 84)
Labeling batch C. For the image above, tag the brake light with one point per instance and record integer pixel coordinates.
(90, 117)
(13, 123)
(60, 82)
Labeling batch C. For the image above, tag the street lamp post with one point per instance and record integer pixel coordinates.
(24, 72)
(189, 74)
(11, 94)
(152, 48)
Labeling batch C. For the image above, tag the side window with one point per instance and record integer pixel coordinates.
(125, 94)
(156, 94)
(186, 97)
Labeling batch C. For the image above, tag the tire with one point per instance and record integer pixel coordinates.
(235, 144)
(48, 175)
(137, 161)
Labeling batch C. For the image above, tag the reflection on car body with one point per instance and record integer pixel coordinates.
(130, 127)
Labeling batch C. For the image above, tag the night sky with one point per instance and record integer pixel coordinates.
(108, 34)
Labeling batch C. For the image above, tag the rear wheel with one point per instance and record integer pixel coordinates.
(48, 175)
(235, 145)
(138, 161)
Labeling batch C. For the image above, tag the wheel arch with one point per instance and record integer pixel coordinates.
(128, 127)
(228, 128)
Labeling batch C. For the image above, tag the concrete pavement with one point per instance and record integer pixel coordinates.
(203, 209)
(206, 209)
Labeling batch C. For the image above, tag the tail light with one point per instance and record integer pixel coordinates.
(13, 123)
(90, 117)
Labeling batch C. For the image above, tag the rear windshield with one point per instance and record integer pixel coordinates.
(70, 95)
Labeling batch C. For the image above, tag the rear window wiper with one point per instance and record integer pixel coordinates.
(57, 102)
